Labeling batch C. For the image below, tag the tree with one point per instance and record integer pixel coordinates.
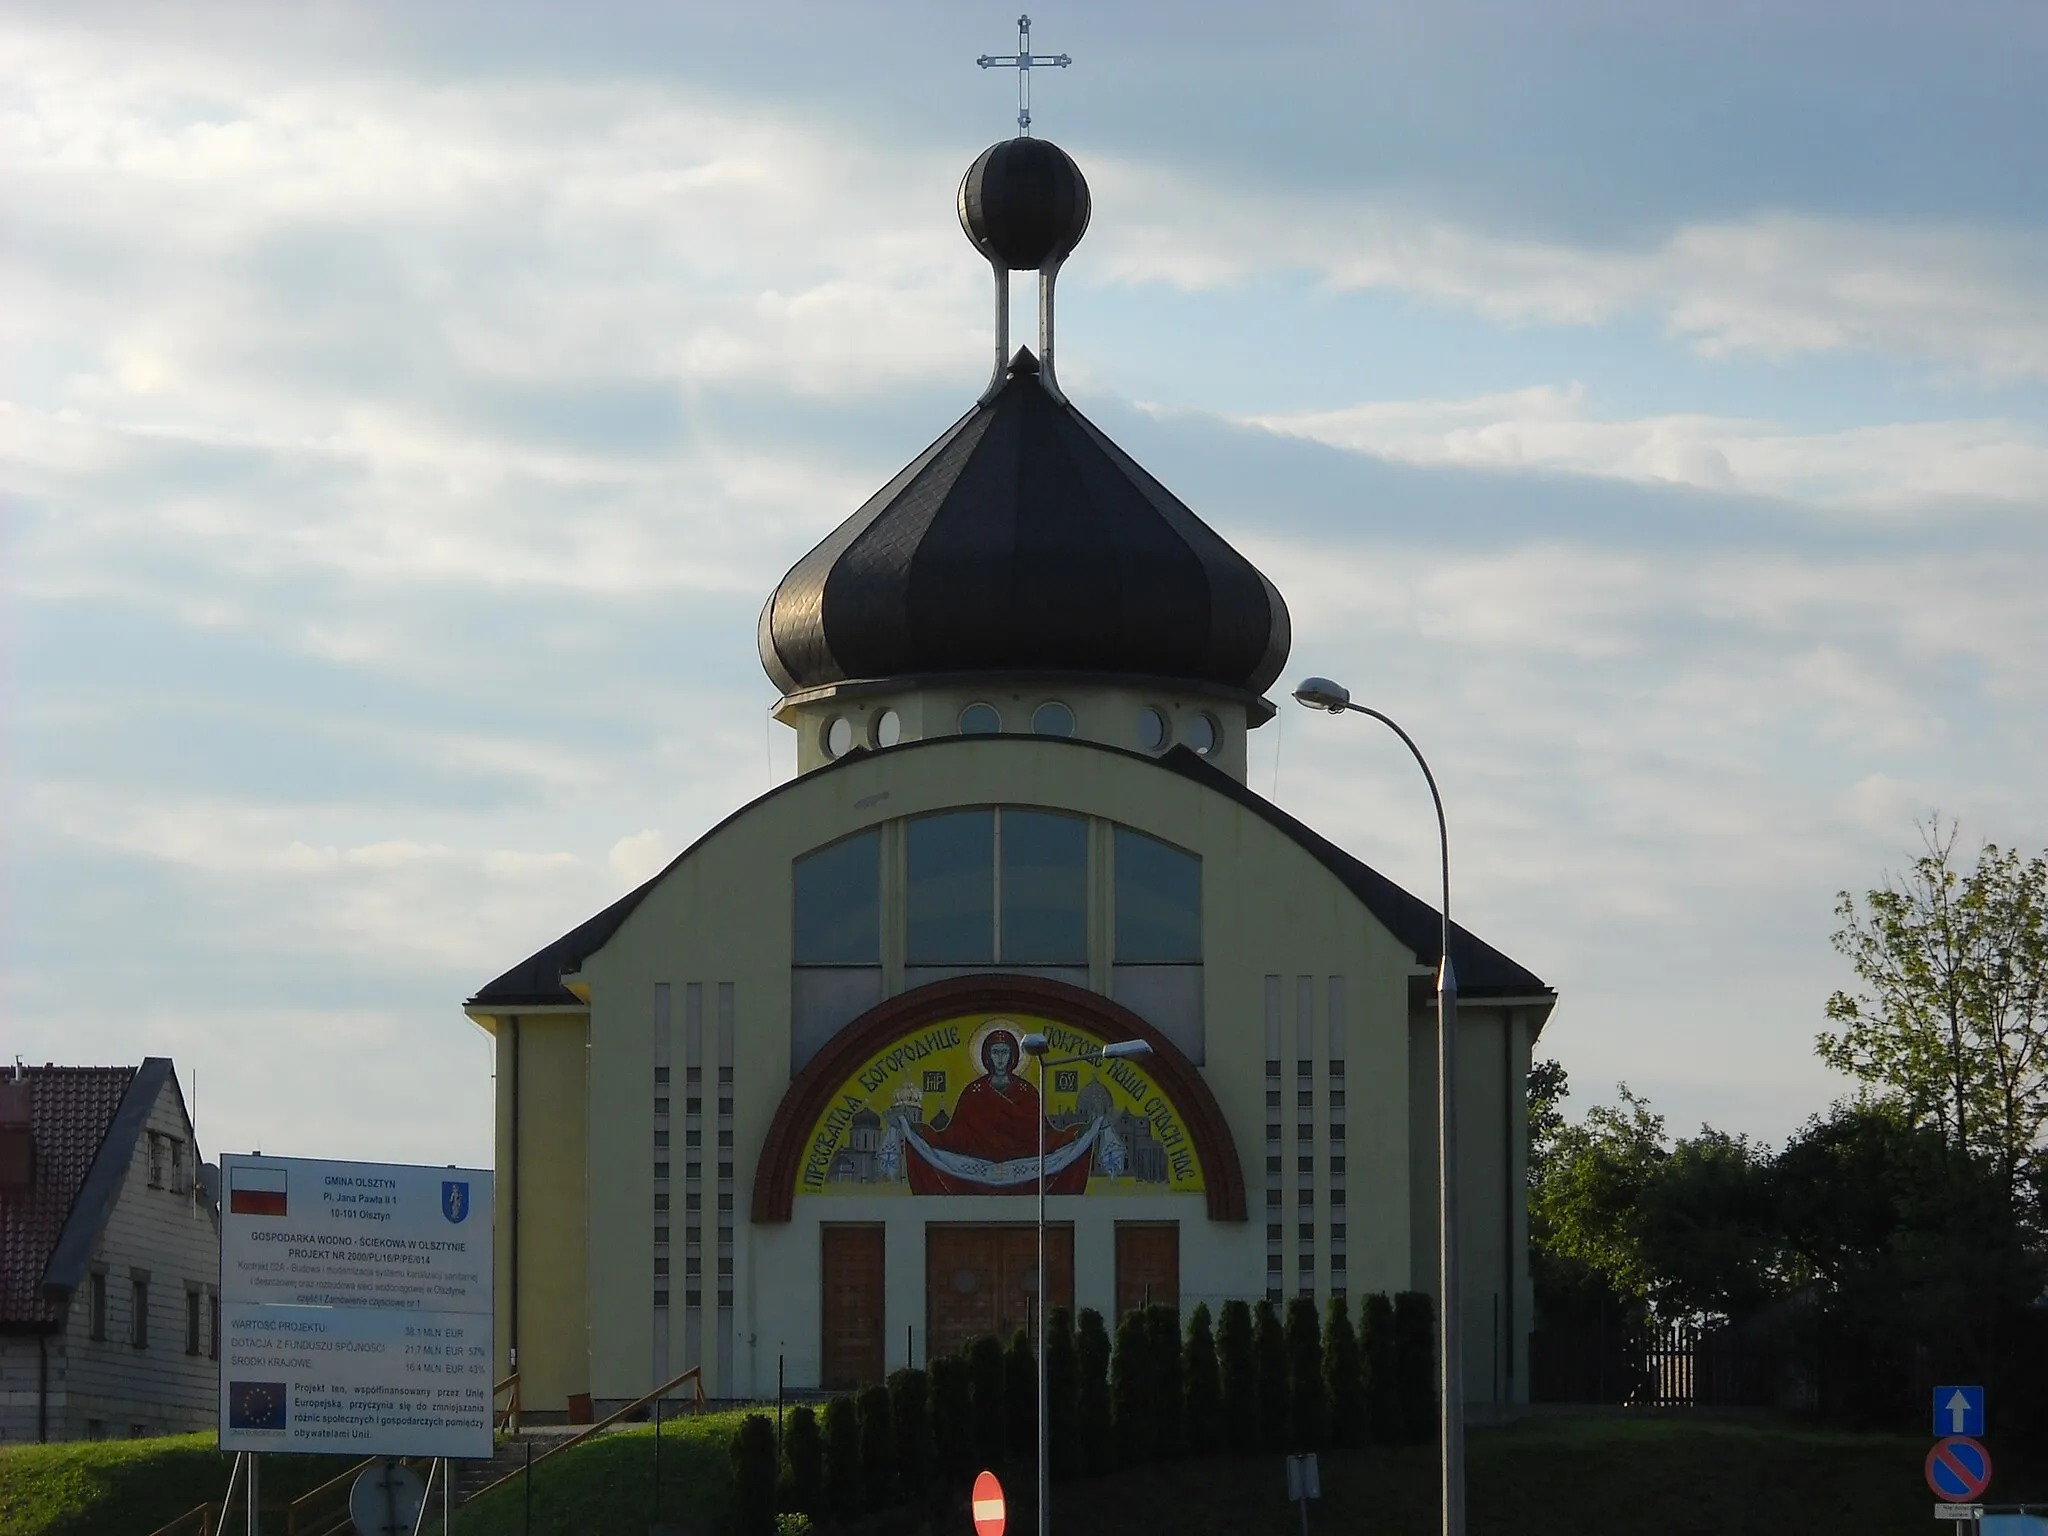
(1952, 1021)
(844, 1488)
(1307, 1405)
(1162, 1345)
(1063, 1394)
(753, 1477)
(803, 1465)
(1237, 1379)
(1269, 1356)
(1202, 1399)
(1130, 1389)
(1343, 1380)
(1586, 1209)
(1091, 1394)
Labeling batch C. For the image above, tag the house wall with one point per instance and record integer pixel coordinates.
(110, 1387)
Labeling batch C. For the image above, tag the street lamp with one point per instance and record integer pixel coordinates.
(1321, 693)
(1035, 1046)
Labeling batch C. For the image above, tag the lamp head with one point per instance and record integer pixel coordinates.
(1321, 693)
(1127, 1048)
(1034, 1045)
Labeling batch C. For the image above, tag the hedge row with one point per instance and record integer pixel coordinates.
(1254, 1381)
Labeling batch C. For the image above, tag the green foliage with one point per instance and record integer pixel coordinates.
(1415, 1367)
(803, 1464)
(1202, 1392)
(845, 1488)
(1020, 1383)
(793, 1524)
(988, 1386)
(1952, 1021)
(1307, 1402)
(1237, 1379)
(753, 1477)
(1063, 1395)
(910, 1427)
(1130, 1389)
(877, 1448)
(1091, 1394)
(953, 1423)
(1343, 1378)
(1382, 1382)
(82, 1488)
(1162, 1347)
(1269, 1354)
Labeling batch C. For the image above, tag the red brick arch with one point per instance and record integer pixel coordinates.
(808, 1097)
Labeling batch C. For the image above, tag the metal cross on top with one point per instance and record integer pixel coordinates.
(1022, 61)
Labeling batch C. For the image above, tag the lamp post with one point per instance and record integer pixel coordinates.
(1035, 1046)
(1321, 693)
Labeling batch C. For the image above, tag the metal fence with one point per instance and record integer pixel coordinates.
(1659, 1365)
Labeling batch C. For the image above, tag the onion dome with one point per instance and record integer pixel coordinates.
(1024, 204)
(1024, 541)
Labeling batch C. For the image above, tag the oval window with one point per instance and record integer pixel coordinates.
(887, 729)
(1053, 719)
(980, 720)
(1205, 735)
(838, 736)
(1153, 731)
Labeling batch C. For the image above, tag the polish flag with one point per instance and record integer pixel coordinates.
(255, 1190)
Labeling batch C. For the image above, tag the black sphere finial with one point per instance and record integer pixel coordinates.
(1024, 204)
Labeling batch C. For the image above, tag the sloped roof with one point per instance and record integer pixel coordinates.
(87, 1121)
(1482, 970)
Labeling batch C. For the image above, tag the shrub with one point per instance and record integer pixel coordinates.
(793, 1525)
(1343, 1384)
(1091, 1392)
(877, 1448)
(952, 1411)
(911, 1428)
(1307, 1407)
(844, 1492)
(1130, 1389)
(1382, 1391)
(1062, 1394)
(1162, 1346)
(803, 1464)
(1201, 1394)
(1415, 1367)
(1269, 1351)
(1020, 1382)
(988, 1389)
(753, 1477)
(1237, 1379)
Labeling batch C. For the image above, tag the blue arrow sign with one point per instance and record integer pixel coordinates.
(1959, 1411)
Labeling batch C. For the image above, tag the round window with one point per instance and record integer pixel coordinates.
(1205, 735)
(887, 729)
(838, 736)
(980, 720)
(1153, 731)
(1053, 719)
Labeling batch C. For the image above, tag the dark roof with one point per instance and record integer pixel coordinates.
(87, 1121)
(1024, 540)
(1482, 970)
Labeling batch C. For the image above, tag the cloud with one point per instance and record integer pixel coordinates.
(1552, 428)
(640, 857)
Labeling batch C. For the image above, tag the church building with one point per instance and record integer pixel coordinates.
(773, 1111)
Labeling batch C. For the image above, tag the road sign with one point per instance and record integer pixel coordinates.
(385, 1500)
(989, 1514)
(1958, 1469)
(1959, 1411)
(1304, 1480)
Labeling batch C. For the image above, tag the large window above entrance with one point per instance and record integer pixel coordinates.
(997, 887)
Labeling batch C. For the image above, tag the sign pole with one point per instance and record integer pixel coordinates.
(251, 1497)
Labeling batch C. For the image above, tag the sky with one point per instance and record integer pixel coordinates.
(404, 411)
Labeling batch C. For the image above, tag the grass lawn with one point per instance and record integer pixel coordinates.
(606, 1486)
(130, 1487)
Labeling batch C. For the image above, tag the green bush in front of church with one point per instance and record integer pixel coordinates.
(952, 1412)
(1062, 1394)
(989, 1391)
(877, 1448)
(1094, 1420)
(1020, 1389)
(1202, 1396)
(1307, 1401)
(803, 1464)
(1130, 1390)
(753, 1477)
(1343, 1377)
(1237, 1378)
(911, 1428)
(845, 1491)
(1162, 1339)
(1269, 1352)
(1415, 1367)
(1382, 1388)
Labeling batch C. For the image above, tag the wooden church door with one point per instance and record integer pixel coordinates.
(1147, 1264)
(854, 1306)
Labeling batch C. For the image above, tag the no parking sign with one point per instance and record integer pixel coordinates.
(1958, 1469)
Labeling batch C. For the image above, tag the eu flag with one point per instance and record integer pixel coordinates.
(256, 1405)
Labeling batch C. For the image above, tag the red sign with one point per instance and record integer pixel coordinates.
(1958, 1469)
(989, 1515)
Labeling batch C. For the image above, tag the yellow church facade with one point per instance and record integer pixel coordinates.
(770, 1115)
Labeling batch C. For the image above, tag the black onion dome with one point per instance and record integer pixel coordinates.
(1024, 541)
(1024, 204)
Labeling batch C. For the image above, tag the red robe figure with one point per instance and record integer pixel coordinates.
(997, 1118)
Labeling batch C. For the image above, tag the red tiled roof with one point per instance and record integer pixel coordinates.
(71, 1108)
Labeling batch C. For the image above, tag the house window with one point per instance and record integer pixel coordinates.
(213, 1325)
(839, 903)
(98, 1299)
(138, 1322)
(177, 1150)
(194, 1300)
(156, 1161)
(1158, 957)
(952, 890)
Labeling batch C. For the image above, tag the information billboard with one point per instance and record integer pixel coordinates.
(355, 1307)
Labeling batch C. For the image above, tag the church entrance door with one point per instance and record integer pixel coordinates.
(1147, 1264)
(852, 1331)
(982, 1279)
